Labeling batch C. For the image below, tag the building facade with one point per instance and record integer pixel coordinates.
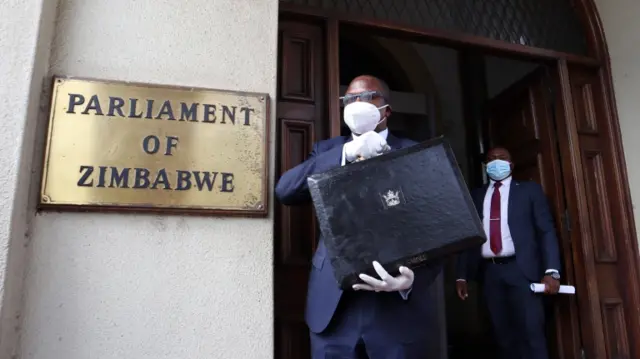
(98, 285)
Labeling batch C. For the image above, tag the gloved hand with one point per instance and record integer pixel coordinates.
(388, 283)
(367, 145)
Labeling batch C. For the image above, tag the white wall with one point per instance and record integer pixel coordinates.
(622, 31)
(25, 37)
(155, 286)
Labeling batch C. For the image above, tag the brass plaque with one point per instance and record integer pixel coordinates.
(134, 146)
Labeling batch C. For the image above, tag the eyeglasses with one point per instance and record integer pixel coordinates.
(366, 96)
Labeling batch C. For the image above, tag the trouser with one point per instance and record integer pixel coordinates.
(354, 333)
(516, 312)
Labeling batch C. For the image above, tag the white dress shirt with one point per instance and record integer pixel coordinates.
(508, 249)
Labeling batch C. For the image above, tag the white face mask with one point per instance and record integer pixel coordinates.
(362, 117)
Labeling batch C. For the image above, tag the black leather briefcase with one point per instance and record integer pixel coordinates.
(407, 207)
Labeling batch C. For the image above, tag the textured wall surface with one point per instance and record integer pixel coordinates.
(155, 286)
(622, 30)
(25, 38)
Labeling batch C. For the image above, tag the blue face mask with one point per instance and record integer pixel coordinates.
(498, 170)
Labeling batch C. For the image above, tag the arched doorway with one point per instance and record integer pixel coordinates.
(590, 193)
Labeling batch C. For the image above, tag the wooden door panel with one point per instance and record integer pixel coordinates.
(296, 142)
(521, 119)
(609, 293)
(299, 43)
(598, 206)
(292, 339)
(301, 117)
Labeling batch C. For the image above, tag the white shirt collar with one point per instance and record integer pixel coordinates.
(384, 134)
(505, 182)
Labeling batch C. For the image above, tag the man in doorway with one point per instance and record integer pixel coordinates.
(521, 249)
(388, 318)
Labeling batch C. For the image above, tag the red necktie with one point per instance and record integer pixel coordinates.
(495, 233)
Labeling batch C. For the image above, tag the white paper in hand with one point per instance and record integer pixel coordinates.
(564, 289)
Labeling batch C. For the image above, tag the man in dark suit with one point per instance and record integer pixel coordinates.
(521, 249)
(386, 318)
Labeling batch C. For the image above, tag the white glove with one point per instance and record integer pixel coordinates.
(367, 145)
(388, 283)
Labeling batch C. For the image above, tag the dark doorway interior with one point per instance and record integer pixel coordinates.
(361, 55)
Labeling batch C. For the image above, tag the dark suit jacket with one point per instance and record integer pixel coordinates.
(532, 230)
(323, 292)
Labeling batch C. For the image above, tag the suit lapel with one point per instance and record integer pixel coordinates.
(480, 200)
(514, 192)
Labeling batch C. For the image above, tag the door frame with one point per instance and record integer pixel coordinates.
(597, 60)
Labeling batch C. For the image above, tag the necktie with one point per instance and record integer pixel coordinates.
(495, 233)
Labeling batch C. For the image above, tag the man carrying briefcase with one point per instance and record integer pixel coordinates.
(389, 318)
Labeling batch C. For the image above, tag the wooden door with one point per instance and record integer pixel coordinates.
(608, 287)
(301, 120)
(521, 119)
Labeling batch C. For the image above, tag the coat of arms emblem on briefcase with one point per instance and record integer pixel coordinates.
(392, 198)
